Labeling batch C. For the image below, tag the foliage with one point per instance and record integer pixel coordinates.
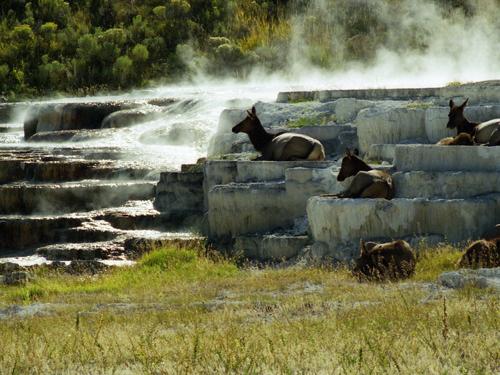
(67, 46)
(311, 121)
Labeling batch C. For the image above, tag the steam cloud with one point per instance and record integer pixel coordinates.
(417, 43)
(387, 43)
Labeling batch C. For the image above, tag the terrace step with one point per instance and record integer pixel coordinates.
(446, 158)
(10, 128)
(448, 185)
(237, 208)
(137, 245)
(24, 232)
(486, 91)
(127, 245)
(337, 225)
(12, 170)
(270, 247)
(89, 231)
(224, 172)
(68, 197)
(82, 251)
(136, 219)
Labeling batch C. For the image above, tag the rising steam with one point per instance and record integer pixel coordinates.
(404, 43)
(382, 43)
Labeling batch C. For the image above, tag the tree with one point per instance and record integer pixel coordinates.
(122, 69)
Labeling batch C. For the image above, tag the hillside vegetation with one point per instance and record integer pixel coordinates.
(82, 46)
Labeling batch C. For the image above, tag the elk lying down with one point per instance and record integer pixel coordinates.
(487, 133)
(387, 261)
(481, 254)
(367, 182)
(462, 139)
(282, 146)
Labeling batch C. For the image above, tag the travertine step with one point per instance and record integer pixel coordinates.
(23, 232)
(135, 219)
(447, 158)
(12, 170)
(340, 223)
(136, 246)
(236, 209)
(237, 205)
(486, 91)
(224, 172)
(89, 231)
(67, 197)
(448, 185)
(180, 193)
(10, 128)
(271, 247)
(128, 245)
(82, 251)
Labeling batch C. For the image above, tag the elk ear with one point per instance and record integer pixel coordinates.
(464, 103)
(452, 103)
(254, 111)
(356, 152)
(362, 248)
(249, 113)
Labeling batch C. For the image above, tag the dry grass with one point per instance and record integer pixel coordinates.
(177, 312)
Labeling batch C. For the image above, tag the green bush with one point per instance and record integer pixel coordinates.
(89, 43)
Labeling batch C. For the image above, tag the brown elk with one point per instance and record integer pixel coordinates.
(279, 147)
(462, 139)
(392, 260)
(483, 133)
(367, 182)
(481, 254)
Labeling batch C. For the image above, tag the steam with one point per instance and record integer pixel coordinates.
(414, 43)
(333, 44)
(382, 43)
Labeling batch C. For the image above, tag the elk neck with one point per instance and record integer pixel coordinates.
(466, 127)
(259, 137)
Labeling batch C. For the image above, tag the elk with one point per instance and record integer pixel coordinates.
(483, 133)
(481, 254)
(367, 182)
(279, 147)
(462, 139)
(392, 260)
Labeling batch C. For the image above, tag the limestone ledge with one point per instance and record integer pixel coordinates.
(337, 225)
(487, 91)
(445, 158)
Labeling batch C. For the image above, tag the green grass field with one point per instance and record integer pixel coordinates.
(180, 311)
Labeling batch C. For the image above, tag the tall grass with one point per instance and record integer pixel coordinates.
(177, 311)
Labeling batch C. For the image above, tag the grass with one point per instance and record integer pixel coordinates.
(311, 121)
(419, 105)
(454, 84)
(180, 311)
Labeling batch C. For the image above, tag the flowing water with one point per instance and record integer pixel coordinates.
(83, 197)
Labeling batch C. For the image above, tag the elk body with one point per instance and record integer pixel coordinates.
(282, 146)
(387, 261)
(367, 182)
(481, 254)
(483, 133)
(462, 139)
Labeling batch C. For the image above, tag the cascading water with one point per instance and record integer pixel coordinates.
(82, 196)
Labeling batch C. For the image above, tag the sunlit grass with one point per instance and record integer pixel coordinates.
(182, 311)
(433, 261)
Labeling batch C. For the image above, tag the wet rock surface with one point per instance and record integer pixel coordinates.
(66, 202)
(79, 267)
